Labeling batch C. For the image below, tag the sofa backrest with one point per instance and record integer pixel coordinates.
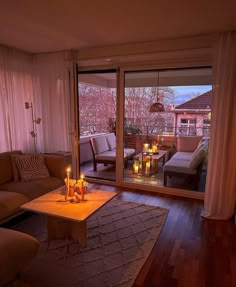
(187, 143)
(111, 141)
(99, 144)
(6, 171)
(57, 164)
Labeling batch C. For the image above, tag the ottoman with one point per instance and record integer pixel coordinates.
(17, 249)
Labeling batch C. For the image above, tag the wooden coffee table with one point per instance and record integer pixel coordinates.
(160, 156)
(67, 220)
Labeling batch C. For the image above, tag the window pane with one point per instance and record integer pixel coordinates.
(160, 108)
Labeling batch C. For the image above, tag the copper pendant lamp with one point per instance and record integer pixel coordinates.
(157, 107)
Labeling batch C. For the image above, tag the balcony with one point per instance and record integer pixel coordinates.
(167, 142)
(184, 94)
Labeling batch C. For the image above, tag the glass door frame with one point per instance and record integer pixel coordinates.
(120, 130)
(87, 72)
(120, 70)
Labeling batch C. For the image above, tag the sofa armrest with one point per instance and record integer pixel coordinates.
(57, 165)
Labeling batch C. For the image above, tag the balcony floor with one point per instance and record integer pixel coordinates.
(108, 173)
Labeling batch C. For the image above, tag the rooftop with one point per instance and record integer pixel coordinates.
(202, 102)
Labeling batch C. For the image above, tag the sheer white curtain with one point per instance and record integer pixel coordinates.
(221, 179)
(15, 89)
(42, 80)
(52, 102)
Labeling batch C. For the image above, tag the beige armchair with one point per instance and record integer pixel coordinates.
(104, 150)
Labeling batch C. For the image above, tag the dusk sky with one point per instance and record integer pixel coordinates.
(185, 93)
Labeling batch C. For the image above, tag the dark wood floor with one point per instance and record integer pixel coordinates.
(191, 251)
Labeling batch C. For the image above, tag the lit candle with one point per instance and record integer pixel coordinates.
(82, 186)
(146, 147)
(82, 180)
(154, 148)
(148, 165)
(135, 168)
(67, 182)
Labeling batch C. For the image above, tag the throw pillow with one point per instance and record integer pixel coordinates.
(199, 147)
(31, 167)
(197, 157)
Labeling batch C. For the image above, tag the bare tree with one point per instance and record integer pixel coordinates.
(98, 108)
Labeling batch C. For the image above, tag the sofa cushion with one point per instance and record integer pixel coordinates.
(197, 157)
(183, 156)
(17, 249)
(187, 143)
(31, 167)
(203, 141)
(6, 173)
(33, 189)
(99, 144)
(111, 154)
(111, 141)
(180, 166)
(57, 164)
(108, 155)
(10, 203)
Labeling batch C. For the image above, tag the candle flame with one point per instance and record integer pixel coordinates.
(82, 176)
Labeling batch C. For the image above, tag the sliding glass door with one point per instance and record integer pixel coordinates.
(97, 123)
(167, 116)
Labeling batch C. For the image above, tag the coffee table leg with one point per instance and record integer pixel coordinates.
(59, 228)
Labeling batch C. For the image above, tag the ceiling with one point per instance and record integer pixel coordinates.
(53, 25)
(174, 77)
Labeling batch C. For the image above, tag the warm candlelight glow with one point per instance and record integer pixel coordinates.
(148, 166)
(135, 168)
(146, 147)
(154, 148)
(67, 182)
(82, 188)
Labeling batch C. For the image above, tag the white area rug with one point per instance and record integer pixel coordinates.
(121, 236)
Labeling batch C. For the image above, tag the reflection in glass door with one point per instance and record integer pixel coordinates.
(97, 123)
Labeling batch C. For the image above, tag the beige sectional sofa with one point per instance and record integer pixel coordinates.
(16, 248)
(188, 160)
(104, 150)
(14, 192)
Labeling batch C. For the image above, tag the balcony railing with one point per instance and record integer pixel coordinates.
(152, 130)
